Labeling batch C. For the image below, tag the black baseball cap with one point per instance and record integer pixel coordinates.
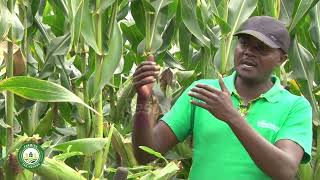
(268, 30)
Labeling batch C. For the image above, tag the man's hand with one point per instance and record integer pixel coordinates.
(144, 77)
(218, 103)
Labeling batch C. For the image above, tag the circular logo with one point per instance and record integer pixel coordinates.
(30, 156)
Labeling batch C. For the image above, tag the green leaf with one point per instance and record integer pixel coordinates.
(87, 146)
(40, 90)
(229, 63)
(87, 28)
(239, 11)
(68, 131)
(286, 10)
(204, 8)
(152, 152)
(302, 61)
(25, 175)
(8, 20)
(316, 167)
(303, 66)
(111, 60)
(224, 26)
(56, 16)
(157, 20)
(46, 144)
(104, 5)
(76, 25)
(107, 146)
(315, 25)
(73, 7)
(213, 35)
(39, 54)
(159, 4)
(18, 29)
(64, 156)
(304, 37)
(148, 7)
(139, 18)
(305, 172)
(214, 7)
(65, 112)
(60, 5)
(3, 124)
(170, 61)
(184, 43)
(5, 21)
(122, 147)
(189, 18)
(167, 36)
(184, 150)
(59, 46)
(269, 7)
(302, 8)
(162, 173)
(54, 169)
(131, 32)
(125, 94)
(45, 124)
(156, 44)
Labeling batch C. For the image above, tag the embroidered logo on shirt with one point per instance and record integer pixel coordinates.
(265, 124)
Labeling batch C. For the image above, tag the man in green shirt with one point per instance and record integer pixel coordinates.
(244, 126)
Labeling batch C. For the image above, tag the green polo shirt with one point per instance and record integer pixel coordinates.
(217, 153)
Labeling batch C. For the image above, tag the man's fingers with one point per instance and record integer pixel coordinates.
(204, 92)
(150, 58)
(147, 63)
(222, 85)
(208, 88)
(146, 74)
(197, 96)
(144, 63)
(144, 82)
(200, 104)
(146, 68)
(200, 97)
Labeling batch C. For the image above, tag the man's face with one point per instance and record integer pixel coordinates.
(254, 60)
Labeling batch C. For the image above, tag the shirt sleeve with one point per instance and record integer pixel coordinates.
(298, 127)
(180, 116)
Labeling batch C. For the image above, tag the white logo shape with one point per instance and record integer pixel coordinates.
(268, 125)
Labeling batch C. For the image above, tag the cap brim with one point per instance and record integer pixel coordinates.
(259, 36)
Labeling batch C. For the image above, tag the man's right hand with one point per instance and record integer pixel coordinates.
(144, 78)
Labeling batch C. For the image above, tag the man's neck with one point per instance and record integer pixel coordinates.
(249, 90)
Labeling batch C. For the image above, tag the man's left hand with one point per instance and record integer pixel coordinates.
(218, 103)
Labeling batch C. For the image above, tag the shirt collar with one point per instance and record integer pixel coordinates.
(272, 95)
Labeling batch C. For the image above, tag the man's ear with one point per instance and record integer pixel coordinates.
(283, 58)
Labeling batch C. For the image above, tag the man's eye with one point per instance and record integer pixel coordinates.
(243, 41)
(262, 48)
